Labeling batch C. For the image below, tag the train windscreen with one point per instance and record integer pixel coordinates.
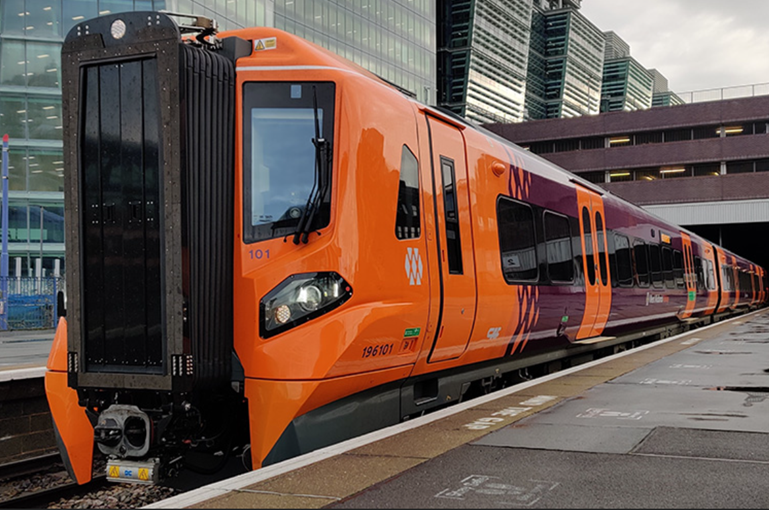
(287, 139)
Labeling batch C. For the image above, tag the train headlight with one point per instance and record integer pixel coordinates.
(300, 298)
(282, 314)
(309, 298)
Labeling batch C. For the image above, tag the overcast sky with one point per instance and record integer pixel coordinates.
(695, 44)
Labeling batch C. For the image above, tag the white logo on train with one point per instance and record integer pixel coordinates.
(414, 266)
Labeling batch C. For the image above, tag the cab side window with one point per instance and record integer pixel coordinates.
(408, 220)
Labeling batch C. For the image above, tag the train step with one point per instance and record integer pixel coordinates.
(595, 339)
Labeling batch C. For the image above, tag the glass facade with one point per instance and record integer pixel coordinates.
(667, 98)
(565, 64)
(627, 85)
(483, 52)
(31, 34)
(393, 38)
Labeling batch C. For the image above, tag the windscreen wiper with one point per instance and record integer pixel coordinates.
(320, 184)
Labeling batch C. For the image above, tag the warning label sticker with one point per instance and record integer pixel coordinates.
(265, 44)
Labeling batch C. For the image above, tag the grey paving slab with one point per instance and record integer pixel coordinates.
(714, 444)
(488, 477)
(568, 437)
(693, 368)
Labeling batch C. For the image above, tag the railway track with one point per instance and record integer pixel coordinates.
(29, 466)
(44, 497)
(38, 481)
(42, 482)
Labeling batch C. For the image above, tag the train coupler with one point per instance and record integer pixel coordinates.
(133, 471)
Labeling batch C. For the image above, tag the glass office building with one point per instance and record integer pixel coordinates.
(566, 63)
(627, 86)
(483, 51)
(392, 38)
(667, 98)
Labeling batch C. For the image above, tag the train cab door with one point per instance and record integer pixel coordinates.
(456, 262)
(595, 261)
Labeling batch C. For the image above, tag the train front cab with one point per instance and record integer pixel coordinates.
(343, 305)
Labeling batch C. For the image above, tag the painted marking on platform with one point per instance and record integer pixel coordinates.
(484, 487)
(683, 382)
(484, 423)
(697, 367)
(509, 412)
(607, 413)
(691, 341)
(538, 400)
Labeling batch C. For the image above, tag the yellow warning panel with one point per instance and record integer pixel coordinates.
(269, 43)
(114, 471)
(144, 474)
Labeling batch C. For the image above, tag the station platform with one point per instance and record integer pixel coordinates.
(679, 423)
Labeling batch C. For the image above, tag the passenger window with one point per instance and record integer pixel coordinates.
(667, 267)
(678, 268)
(698, 271)
(453, 242)
(711, 275)
(624, 261)
(656, 264)
(726, 277)
(407, 219)
(560, 267)
(589, 261)
(641, 256)
(517, 243)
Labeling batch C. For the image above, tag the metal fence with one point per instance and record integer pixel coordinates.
(30, 302)
(738, 91)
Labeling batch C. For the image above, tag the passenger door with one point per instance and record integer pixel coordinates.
(690, 276)
(595, 261)
(456, 263)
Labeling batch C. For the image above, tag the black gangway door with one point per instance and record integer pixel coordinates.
(121, 184)
(149, 166)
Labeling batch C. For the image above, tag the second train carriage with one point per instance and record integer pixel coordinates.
(262, 229)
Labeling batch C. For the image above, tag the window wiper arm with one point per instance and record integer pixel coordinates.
(321, 148)
(320, 184)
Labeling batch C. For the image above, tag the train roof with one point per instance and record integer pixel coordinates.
(292, 50)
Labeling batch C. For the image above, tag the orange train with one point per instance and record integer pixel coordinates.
(271, 249)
